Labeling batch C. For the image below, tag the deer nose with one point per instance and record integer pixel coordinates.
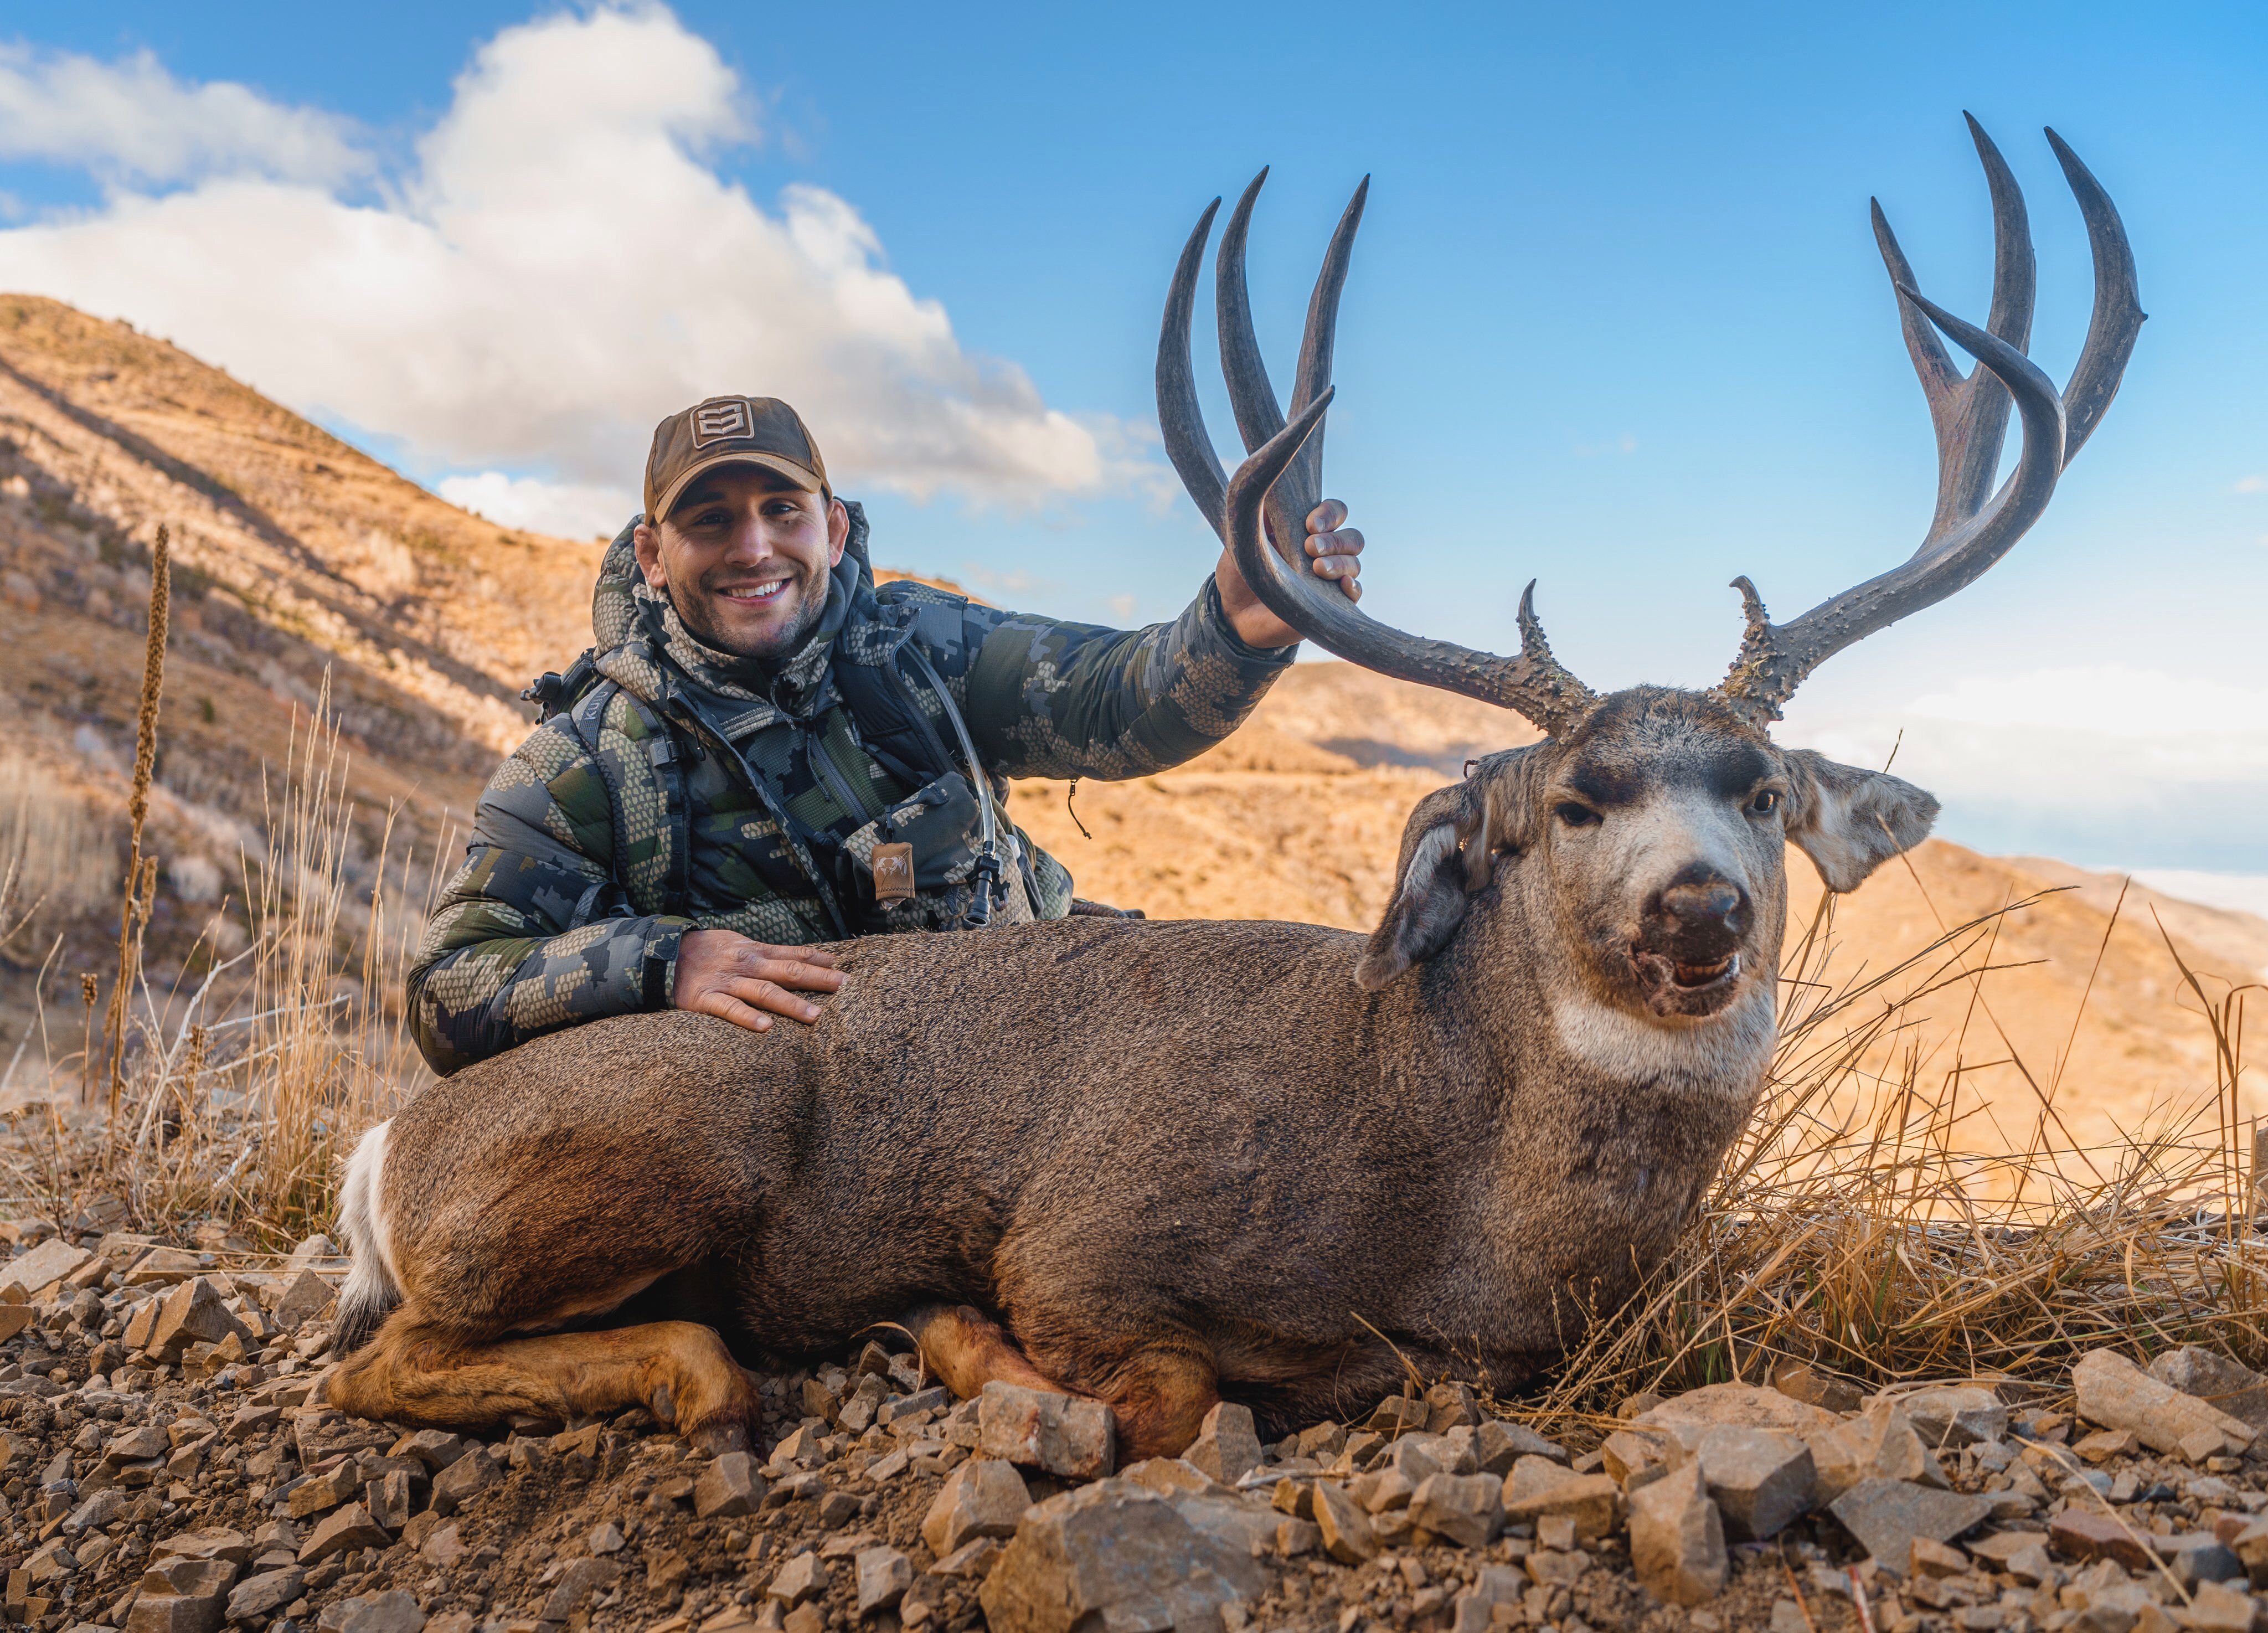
(1700, 909)
(1695, 906)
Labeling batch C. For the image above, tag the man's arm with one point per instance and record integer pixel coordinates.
(520, 945)
(1049, 698)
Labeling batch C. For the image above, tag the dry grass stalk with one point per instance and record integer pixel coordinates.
(141, 880)
(244, 1087)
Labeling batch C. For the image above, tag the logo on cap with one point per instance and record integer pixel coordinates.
(721, 420)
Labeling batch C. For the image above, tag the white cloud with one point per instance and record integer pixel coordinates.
(2113, 698)
(131, 119)
(559, 269)
(2252, 485)
(564, 509)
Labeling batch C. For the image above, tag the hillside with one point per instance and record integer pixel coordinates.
(297, 555)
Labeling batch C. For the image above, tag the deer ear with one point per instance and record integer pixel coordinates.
(1429, 904)
(1455, 839)
(1850, 821)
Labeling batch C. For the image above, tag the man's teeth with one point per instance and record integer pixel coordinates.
(755, 592)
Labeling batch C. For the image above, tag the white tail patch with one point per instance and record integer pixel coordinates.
(374, 1286)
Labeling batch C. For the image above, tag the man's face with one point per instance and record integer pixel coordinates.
(744, 555)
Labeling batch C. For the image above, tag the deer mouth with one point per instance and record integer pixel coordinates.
(1671, 987)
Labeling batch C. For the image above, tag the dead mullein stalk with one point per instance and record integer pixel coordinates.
(141, 882)
(90, 986)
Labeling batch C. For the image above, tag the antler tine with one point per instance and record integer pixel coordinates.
(1179, 420)
(1258, 417)
(1774, 659)
(1533, 683)
(1314, 370)
(1967, 535)
(1970, 413)
(2118, 315)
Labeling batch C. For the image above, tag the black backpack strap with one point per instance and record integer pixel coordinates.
(892, 726)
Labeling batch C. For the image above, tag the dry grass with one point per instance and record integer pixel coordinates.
(234, 1095)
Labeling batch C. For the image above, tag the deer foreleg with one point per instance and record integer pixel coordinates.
(967, 1349)
(414, 1372)
(1159, 1394)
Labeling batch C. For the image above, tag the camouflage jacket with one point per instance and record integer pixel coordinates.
(682, 790)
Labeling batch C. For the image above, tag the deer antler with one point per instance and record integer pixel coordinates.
(1284, 473)
(1968, 533)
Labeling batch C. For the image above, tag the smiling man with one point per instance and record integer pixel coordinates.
(765, 751)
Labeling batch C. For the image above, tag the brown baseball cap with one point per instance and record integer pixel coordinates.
(729, 430)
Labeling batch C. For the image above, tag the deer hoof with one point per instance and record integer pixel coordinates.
(718, 1437)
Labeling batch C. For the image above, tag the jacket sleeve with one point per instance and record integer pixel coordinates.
(1047, 698)
(523, 942)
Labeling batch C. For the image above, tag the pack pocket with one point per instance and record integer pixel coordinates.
(940, 822)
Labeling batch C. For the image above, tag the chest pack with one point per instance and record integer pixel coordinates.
(647, 771)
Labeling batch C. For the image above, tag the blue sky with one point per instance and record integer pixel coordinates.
(1616, 320)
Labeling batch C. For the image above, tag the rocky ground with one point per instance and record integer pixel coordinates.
(170, 1467)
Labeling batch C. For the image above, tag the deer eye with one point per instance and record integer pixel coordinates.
(1764, 801)
(1576, 816)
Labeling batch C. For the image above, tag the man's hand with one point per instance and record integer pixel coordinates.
(1336, 553)
(722, 973)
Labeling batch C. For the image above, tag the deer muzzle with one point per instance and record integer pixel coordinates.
(1687, 957)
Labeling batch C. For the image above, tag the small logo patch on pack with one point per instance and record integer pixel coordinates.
(893, 873)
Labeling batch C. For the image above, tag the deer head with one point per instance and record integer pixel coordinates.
(1643, 838)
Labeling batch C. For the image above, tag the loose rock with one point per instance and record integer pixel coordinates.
(1345, 1530)
(266, 1594)
(1118, 1553)
(391, 1612)
(1539, 1490)
(1882, 1445)
(1462, 1509)
(1759, 1479)
(1677, 1539)
(1887, 1515)
(1065, 1435)
(728, 1487)
(2217, 1380)
(1741, 1406)
(1954, 1415)
(884, 1575)
(984, 1498)
(2119, 1395)
(797, 1580)
(350, 1527)
(1226, 1447)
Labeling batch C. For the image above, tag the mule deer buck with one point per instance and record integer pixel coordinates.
(1156, 1163)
